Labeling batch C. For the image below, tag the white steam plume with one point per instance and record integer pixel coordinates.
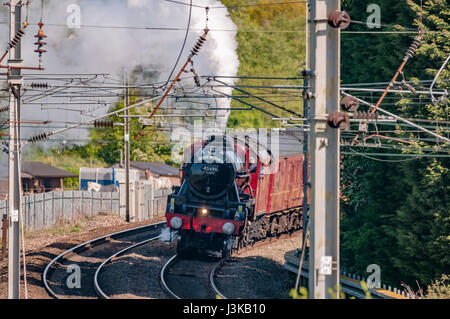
(109, 50)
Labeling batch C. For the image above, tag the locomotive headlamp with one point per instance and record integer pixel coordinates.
(228, 228)
(172, 205)
(204, 211)
(176, 222)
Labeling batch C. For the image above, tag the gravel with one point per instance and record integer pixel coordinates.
(135, 275)
(255, 273)
(258, 273)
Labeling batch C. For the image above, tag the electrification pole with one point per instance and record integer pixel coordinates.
(15, 82)
(127, 151)
(306, 97)
(323, 61)
(305, 157)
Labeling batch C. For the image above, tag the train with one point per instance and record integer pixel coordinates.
(237, 189)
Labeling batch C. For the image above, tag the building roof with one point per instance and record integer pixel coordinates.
(157, 168)
(37, 169)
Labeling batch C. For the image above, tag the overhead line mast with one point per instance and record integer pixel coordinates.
(15, 82)
(324, 21)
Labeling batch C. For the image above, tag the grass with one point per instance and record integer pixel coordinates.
(76, 228)
(65, 227)
(439, 289)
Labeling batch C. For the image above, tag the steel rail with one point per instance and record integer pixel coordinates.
(212, 281)
(97, 287)
(90, 243)
(174, 259)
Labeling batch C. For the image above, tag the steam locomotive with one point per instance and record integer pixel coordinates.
(236, 190)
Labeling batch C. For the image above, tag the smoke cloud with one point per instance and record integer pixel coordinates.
(112, 50)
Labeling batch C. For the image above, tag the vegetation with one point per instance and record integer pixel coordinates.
(394, 214)
(439, 289)
(271, 49)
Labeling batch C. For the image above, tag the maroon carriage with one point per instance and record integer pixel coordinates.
(237, 189)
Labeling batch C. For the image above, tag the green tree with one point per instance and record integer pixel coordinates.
(397, 214)
(271, 42)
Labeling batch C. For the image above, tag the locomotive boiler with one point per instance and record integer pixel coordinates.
(236, 190)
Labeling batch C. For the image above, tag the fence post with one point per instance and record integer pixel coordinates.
(152, 200)
(73, 204)
(34, 211)
(62, 206)
(53, 210)
(24, 213)
(43, 210)
(101, 202)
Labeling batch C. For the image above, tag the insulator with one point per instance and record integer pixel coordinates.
(365, 116)
(349, 103)
(39, 137)
(39, 85)
(103, 124)
(201, 40)
(40, 36)
(4, 109)
(338, 120)
(413, 47)
(41, 33)
(16, 38)
(339, 19)
(40, 43)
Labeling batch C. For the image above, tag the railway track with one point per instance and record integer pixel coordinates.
(192, 278)
(100, 268)
(195, 278)
(184, 278)
(89, 258)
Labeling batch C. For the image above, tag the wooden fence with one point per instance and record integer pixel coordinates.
(45, 210)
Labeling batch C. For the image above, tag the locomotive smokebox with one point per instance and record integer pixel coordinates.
(210, 181)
